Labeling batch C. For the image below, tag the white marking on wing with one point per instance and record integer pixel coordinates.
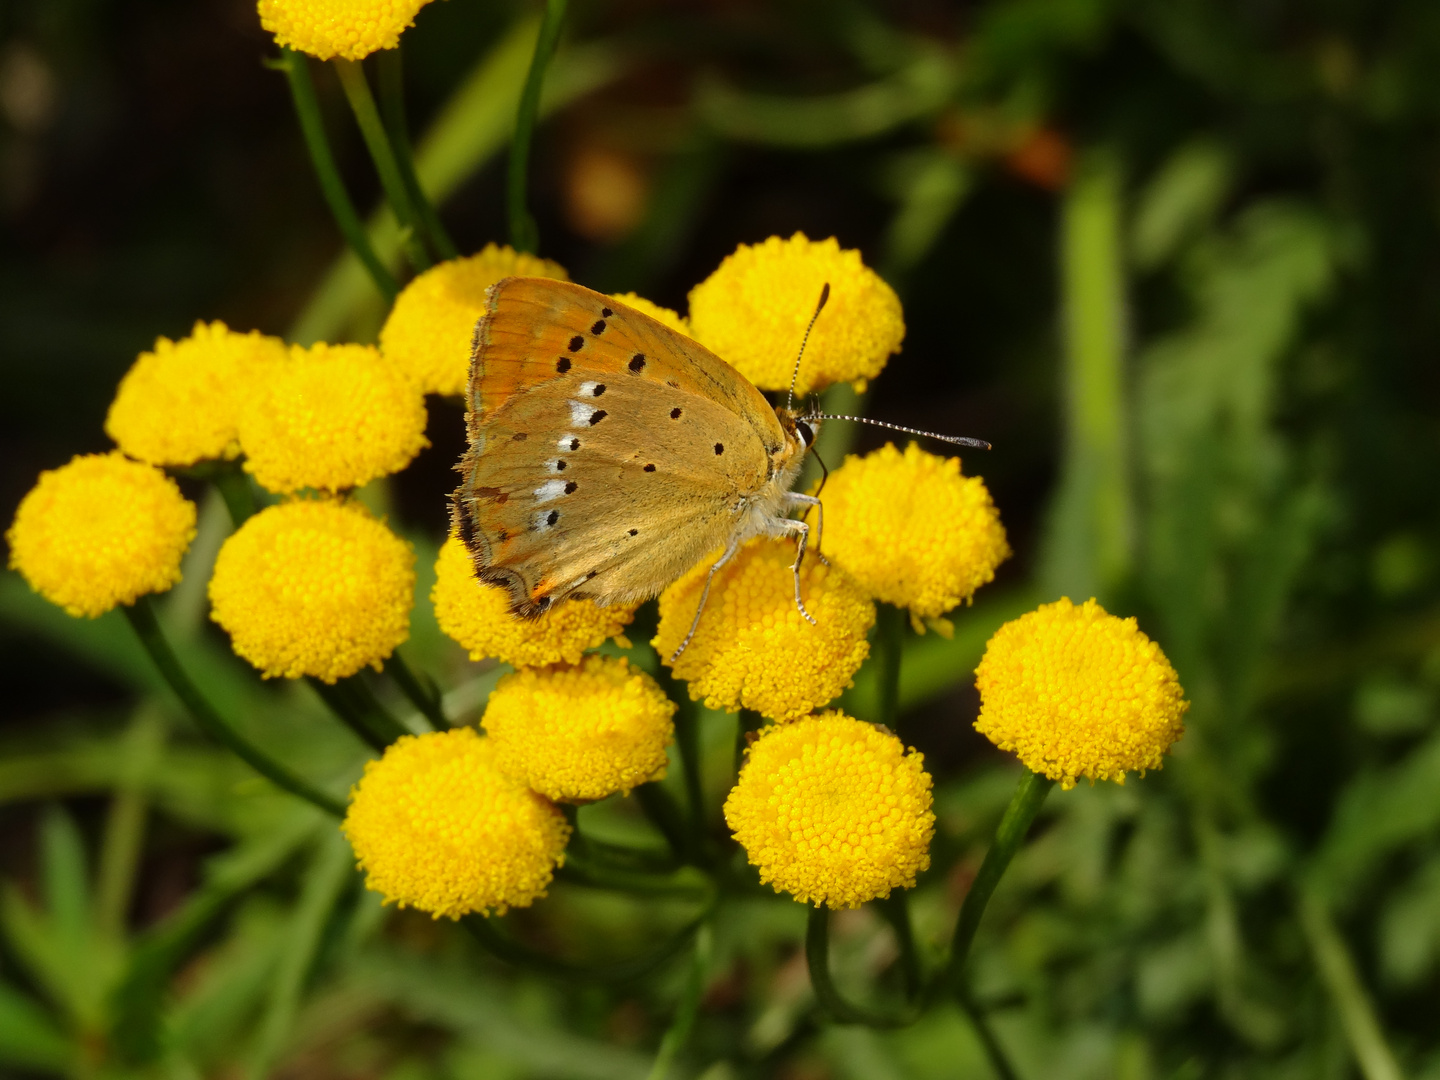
(580, 413)
(550, 489)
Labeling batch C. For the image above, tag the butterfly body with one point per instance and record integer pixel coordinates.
(608, 452)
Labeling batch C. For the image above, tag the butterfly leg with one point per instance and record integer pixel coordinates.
(705, 595)
(803, 531)
(794, 498)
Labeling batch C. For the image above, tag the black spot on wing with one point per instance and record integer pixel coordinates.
(637, 363)
(574, 445)
(562, 365)
(597, 416)
(605, 311)
(519, 436)
(649, 468)
(598, 328)
(634, 532)
(552, 517)
(570, 487)
(577, 343)
(675, 413)
(599, 389)
(719, 449)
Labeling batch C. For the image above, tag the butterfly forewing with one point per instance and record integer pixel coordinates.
(608, 453)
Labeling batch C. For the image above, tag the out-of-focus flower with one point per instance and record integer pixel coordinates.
(181, 403)
(753, 649)
(331, 417)
(352, 29)
(580, 733)
(436, 826)
(478, 617)
(753, 311)
(430, 328)
(912, 530)
(314, 587)
(100, 531)
(833, 811)
(1074, 692)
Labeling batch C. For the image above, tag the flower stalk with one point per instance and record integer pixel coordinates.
(390, 64)
(524, 233)
(420, 689)
(841, 1010)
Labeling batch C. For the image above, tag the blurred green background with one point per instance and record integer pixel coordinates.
(1177, 259)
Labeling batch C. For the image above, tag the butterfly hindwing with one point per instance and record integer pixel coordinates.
(608, 453)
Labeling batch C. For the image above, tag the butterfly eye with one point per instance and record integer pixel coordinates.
(807, 436)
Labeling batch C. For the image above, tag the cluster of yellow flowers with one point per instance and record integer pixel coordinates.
(831, 809)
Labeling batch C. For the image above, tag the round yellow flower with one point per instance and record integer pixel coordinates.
(580, 733)
(314, 587)
(181, 403)
(911, 529)
(673, 319)
(478, 617)
(429, 331)
(753, 311)
(352, 29)
(753, 649)
(437, 827)
(100, 531)
(331, 417)
(833, 811)
(1075, 692)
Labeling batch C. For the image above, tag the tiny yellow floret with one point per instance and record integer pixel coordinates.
(673, 319)
(351, 29)
(478, 617)
(437, 827)
(100, 531)
(753, 649)
(331, 417)
(430, 328)
(314, 587)
(1075, 692)
(181, 403)
(911, 530)
(580, 733)
(833, 811)
(753, 311)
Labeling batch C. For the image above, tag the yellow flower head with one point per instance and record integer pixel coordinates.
(331, 417)
(753, 311)
(352, 29)
(478, 617)
(436, 826)
(181, 403)
(580, 733)
(314, 587)
(1076, 692)
(833, 811)
(430, 328)
(752, 649)
(674, 320)
(100, 531)
(912, 530)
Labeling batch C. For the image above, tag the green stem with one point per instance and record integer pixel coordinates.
(234, 486)
(351, 700)
(1337, 971)
(660, 807)
(524, 234)
(504, 947)
(993, 1050)
(817, 957)
(147, 628)
(367, 116)
(392, 110)
(1024, 805)
(420, 689)
(312, 126)
(890, 646)
(687, 741)
(896, 909)
(125, 824)
(679, 1030)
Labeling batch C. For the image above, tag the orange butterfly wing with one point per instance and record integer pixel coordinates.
(608, 453)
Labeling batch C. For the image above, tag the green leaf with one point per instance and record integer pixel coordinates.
(29, 1036)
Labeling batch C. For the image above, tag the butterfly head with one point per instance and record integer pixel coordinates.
(799, 437)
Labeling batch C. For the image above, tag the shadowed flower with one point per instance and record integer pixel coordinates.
(753, 649)
(580, 733)
(314, 587)
(181, 403)
(753, 311)
(429, 331)
(674, 320)
(478, 617)
(331, 417)
(911, 530)
(100, 531)
(352, 29)
(833, 811)
(437, 827)
(1075, 692)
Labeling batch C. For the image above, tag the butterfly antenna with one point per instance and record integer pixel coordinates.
(956, 440)
(824, 295)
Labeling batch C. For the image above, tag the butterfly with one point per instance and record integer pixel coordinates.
(609, 453)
